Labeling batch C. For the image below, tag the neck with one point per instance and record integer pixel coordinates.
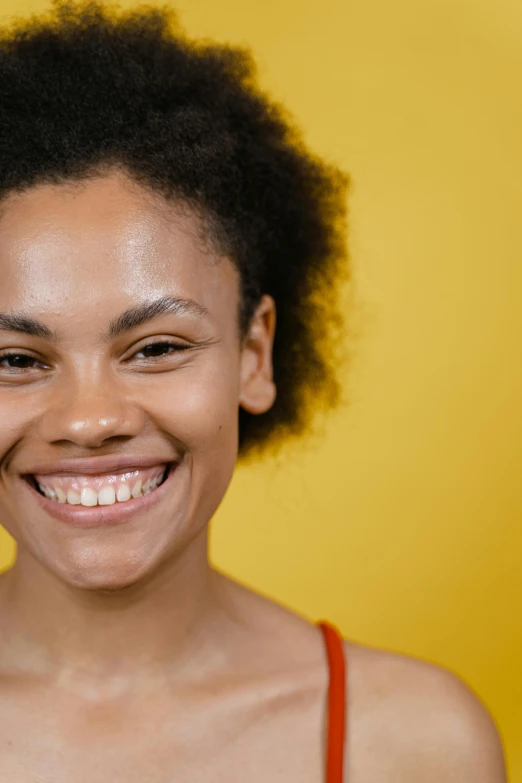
(166, 626)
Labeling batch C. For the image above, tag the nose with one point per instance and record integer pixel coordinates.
(89, 411)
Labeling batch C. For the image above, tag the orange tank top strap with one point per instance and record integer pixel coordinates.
(337, 698)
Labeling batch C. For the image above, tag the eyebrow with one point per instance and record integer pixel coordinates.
(130, 319)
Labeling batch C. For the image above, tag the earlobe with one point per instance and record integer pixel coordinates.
(257, 388)
(260, 401)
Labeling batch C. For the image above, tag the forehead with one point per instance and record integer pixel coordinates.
(105, 241)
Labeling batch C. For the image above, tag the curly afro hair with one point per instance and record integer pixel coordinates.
(85, 88)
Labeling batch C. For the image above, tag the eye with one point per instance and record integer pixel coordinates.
(161, 348)
(16, 362)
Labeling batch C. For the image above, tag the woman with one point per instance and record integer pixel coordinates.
(157, 212)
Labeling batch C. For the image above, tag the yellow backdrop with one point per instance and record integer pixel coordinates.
(402, 524)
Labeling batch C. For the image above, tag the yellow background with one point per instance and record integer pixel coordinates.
(402, 524)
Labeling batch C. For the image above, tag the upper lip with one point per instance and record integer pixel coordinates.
(95, 465)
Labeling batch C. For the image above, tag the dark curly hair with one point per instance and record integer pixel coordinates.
(84, 89)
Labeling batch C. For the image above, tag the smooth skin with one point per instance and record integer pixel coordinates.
(124, 655)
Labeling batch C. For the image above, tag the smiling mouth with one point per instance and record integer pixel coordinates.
(79, 514)
(108, 491)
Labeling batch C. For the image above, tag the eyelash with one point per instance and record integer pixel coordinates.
(168, 343)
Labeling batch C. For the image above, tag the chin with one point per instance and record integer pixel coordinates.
(104, 571)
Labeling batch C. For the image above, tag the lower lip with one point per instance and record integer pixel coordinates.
(99, 516)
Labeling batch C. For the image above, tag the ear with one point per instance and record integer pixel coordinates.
(257, 390)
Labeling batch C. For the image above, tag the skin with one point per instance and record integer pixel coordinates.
(123, 652)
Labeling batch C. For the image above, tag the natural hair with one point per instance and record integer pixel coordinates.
(84, 89)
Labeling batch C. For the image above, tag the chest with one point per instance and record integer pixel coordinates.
(45, 738)
(48, 739)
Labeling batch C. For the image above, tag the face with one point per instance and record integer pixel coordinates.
(86, 390)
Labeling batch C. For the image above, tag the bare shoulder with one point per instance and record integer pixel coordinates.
(419, 719)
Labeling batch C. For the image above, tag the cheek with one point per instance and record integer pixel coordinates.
(198, 405)
(201, 414)
(16, 417)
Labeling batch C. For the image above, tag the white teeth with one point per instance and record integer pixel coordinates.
(107, 495)
(60, 494)
(123, 493)
(73, 498)
(89, 497)
(136, 490)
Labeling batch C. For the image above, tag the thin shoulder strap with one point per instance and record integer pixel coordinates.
(337, 698)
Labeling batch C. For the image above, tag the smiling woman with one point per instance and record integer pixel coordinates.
(158, 215)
